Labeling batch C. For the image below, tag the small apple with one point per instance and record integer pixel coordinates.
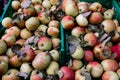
(3, 47)
(81, 20)
(53, 31)
(68, 22)
(108, 14)
(54, 2)
(3, 67)
(88, 55)
(4, 58)
(46, 4)
(34, 2)
(83, 7)
(7, 22)
(55, 42)
(38, 8)
(15, 5)
(44, 43)
(11, 75)
(54, 23)
(54, 54)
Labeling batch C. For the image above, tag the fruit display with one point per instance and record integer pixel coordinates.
(59, 40)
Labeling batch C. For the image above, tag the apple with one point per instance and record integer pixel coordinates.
(3, 47)
(79, 53)
(11, 75)
(15, 5)
(110, 75)
(44, 43)
(55, 42)
(96, 7)
(53, 31)
(25, 34)
(109, 65)
(13, 31)
(91, 39)
(77, 31)
(95, 18)
(116, 22)
(7, 22)
(67, 22)
(108, 26)
(9, 52)
(108, 14)
(118, 72)
(54, 23)
(34, 2)
(54, 54)
(76, 64)
(46, 4)
(51, 70)
(81, 20)
(88, 55)
(20, 41)
(54, 2)
(44, 18)
(83, 7)
(116, 37)
(32, 23)
(9, 39)
(15, 61)
(3, 67)
(41, 61)
(94, 67)
(79, 76)
(4, 58)
(38, 8)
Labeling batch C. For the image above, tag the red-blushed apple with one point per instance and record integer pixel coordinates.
(20, 41)
(32, 23)
(102, 52)
(44, 18)
(41, 61)
(96, 7)
(7, 22)
(77, 31)
(109, 65)
(38, 8)
(3, 67)
(3, 47)
(54, 23)
(108, 14)
(55, 42)
(44, 43)
(36, 75)
(15, 62)
(9, 52)
(95, 18)
(54, 2)
(15, 5)
(66, 73)
(78, 53)
(53, 31)
(46, 4)
(88, 55)
(83, 7)
(108, 26)
(11, 75)
(25, 34)
(91, 39)
(9, 39)
(51, 69)
(36, 2)
(54, 54)
(94, 67)
(76, 64)
(71, 9)
(118, 72)
(81, 20)
(68, 22)
(13, 31)
(110, 75)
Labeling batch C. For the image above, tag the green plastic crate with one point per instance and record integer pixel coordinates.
(8, 13)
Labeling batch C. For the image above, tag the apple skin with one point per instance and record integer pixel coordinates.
(46, 4)
(3, 67)
(108, 14)
(110, 75)
(94, 67)
(15, 5)
(53, 31)
(11, 75)
(9, 52)
(3, 47)
(83, 7)
(54, 54)
(77, 31)
(118, 72)
(35, 75)
(38, 8)
(109, 65)
(91, 39)
(15, 62)
(20, 41)
(68, 22)
(78, 54)
(4, 58)
(54, 2)
(9, 39)
(7, 22)
(79, 76)
(55, 42)
(44, 43)
(54, 23)
(88, 55)
(95, 18)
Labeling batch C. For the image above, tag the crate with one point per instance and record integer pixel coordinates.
(8, 13)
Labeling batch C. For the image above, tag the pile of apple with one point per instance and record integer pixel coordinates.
(30, 47)
(94, 40)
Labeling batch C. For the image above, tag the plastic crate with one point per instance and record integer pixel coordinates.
(8, 13)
